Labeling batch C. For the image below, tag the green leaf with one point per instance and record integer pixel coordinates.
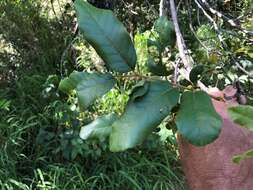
(139, 90)
(4, 104)
(143, 114)
(88, 86)
(166, 31)
(157, 69)
(242, 115)
(156, 44)
(196, 72)
(151, 43)
(197, 119)
(238, 158)
(107, 35)
(99, 128)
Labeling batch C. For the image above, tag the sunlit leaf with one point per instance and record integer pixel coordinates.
(242, 115)
(238, 158)
(99, 128)
(107, 35)
(4, 104)
(88, 86)
(143, 114)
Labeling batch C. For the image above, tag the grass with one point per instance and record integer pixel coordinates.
(152, 168)
(129, 170)
(25, 165)
(32, 124)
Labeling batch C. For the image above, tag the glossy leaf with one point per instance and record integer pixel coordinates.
(157, 69)
(143, 114)
(238, 158)
(107, 35)
(242, 115)
(99, 128)
(88, 86)
(197, 119)
(166, 31)
(139, 90)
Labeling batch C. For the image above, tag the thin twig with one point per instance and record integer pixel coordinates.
(241, 68)
(64, 55)
(216, 28)
(60, 9)
(182, 47)
(150, 6)
(198, 17)
(180, 42)
(178, 5)
(162, 8)
(54, 12)
(225, 18)
(176, 70)
(223, 43)
(192, 29)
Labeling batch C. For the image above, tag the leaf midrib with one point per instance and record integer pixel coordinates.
(110, 41)
(97, 84)
(161, 94)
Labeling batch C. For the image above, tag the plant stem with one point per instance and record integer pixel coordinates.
(182, 47)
